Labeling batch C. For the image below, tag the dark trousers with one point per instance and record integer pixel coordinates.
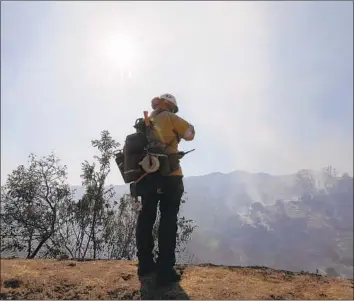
(169, 202)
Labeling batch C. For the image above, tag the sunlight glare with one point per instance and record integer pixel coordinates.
(120, 49)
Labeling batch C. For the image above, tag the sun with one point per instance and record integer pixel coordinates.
(119, 49)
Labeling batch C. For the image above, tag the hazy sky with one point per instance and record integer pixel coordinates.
(268, 86)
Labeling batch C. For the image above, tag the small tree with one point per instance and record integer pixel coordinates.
(119, 235)
(330, 174)
(31, 199)
(92, 209)
(306, 184)
(63, 242)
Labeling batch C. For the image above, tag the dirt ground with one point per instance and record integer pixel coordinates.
(51, 279)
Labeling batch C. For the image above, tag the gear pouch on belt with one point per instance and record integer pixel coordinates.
(174, 161)
(165, 168)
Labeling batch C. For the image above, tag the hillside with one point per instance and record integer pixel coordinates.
(301, 221)
(50, 279)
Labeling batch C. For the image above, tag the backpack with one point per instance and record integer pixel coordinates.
(142, 154)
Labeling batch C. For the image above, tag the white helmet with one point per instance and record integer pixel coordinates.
(170, 98)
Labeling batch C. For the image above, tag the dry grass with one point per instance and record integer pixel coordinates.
(50, 279)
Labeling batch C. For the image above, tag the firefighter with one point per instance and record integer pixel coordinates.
(169, 129)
